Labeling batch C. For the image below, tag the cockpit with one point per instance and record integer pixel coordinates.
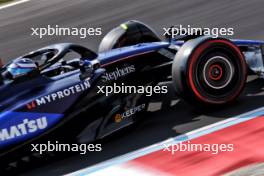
(49, 61)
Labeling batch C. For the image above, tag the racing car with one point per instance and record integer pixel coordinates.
(54, 95)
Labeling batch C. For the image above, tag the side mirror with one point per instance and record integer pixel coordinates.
(88, 68)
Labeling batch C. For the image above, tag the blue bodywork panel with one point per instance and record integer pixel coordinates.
(20, 126)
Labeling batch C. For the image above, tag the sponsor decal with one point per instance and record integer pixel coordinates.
(24, 128)
(59, 94)
(118, 72)
(119, 117)
(31, 105)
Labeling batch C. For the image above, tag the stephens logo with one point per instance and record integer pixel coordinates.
(118, 72)
(119, 117)
(59, 95)
(26, 127)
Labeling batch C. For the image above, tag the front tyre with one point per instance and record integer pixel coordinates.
(209, 71)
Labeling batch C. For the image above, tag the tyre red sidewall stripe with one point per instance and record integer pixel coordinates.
(194, 58)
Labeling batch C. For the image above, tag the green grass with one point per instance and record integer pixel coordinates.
(4, 1)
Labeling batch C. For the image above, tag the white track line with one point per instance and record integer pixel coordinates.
(174, 140)
(13, 4)
(129, 170)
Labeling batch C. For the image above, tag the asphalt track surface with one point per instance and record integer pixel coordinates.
(246, 17)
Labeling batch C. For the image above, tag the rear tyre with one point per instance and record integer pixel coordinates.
(127, 34)
(209, 71)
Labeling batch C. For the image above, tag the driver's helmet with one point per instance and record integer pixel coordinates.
(21, 66)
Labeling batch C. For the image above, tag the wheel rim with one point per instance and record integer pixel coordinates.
(218, 71)
(202, 90)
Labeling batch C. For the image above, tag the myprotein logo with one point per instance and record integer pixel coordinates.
(59, 94)
(24, 128)
(119, 117)
(118, 72)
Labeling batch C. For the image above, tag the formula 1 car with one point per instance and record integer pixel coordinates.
(60, 100)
